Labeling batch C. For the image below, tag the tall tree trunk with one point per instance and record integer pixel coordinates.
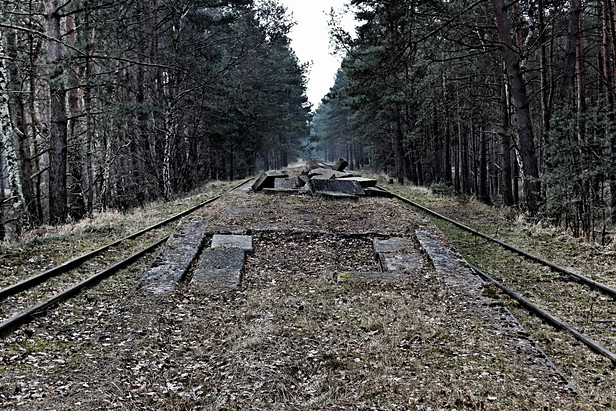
(545, 89)
(37, 206)
(579, 72)
(21, 140)
(532, 186)
(8, 141)
(399, 147)
(2, 227)
(608, 72)
(77, 205)
(58, 210)
(505, 145)
(572, 46)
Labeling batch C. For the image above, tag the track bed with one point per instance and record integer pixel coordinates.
(314, 324)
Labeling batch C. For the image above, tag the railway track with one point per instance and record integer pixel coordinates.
(332, 317)
(558, 296)
(33, 296)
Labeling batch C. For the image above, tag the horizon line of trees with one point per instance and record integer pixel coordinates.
(509, 101)
(110, 104)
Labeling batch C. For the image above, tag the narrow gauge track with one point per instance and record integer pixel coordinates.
(27, 314)
(596, 288)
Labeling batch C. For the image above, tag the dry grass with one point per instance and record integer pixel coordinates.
(579, 306)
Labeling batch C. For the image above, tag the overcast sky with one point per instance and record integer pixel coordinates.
(310, 40)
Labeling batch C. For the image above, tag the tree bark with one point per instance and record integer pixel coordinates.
(572, 47)
(58, 210)
(505, 145)
(532, 186)
(399, 148)
(484, 192)
(8, 140)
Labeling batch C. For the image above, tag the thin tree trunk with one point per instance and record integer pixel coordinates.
(58, 210)
(38, 207)
(8, 139)
(399, 148)
(2, 227)
(448, 177)
(484, 192)
(532, 186)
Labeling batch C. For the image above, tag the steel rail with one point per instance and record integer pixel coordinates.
(71, 264)
(8, 326)
(555, 321)
(606, 289)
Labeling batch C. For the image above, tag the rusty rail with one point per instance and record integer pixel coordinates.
(571, 274)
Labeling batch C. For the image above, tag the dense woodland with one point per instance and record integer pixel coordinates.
(509, 101)
(110, 104)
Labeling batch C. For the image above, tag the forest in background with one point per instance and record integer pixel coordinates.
(508, 101)
(108, 104)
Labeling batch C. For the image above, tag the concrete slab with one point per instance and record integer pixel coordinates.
(302, 180)
(243, 242)
(321, 173)
(340, 165)
(267, 180)
(216, 279)
(285, 183)
(448, 262)
(392, 245)
(399, 255)
(219, 268)
(222, 258)
(336, 186)
(180, 251)
(363, 181)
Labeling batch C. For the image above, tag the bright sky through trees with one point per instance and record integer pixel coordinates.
(310, 40)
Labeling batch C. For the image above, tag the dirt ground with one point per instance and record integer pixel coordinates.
(293, 336)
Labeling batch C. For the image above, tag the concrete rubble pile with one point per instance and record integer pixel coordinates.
(321, 180)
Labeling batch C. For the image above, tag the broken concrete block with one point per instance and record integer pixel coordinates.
(243, 242)
(336, 186)
(302, 180)
(321, 171)
(340, 165)
(364, 182)
(267, 180)
(285, 183)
